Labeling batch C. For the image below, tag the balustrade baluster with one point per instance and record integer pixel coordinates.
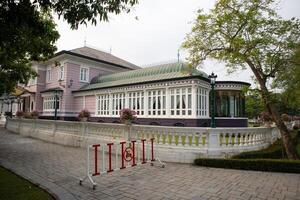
(183, 139)
(196, 137)
(190, 139)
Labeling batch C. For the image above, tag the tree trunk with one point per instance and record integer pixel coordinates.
(285, 135)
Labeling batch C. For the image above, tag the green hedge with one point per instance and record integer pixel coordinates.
(270, 165)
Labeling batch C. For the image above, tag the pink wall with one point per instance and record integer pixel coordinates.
(90, 103)
(37, 88)
(69, 103)
(40, 87)
(78, 104)
(73, 72)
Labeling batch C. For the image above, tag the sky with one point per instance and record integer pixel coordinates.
(153, 32)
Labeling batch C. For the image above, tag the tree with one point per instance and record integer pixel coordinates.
(248, 34)
(289, 81)
(28, 32)
(254, 104)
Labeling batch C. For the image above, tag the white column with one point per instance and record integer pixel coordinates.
(207, 103)
(168, 99)
(126, 100)
(146, 103)
(110, 104)
(194, 103)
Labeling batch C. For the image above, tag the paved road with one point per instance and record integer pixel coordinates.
(57, 169)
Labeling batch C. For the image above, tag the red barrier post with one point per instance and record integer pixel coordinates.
(152, 149)
(96, 159)
(143, 149)
(122, 153)
(133, 153)
(109, 157)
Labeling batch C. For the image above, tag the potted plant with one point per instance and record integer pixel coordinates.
(19, 114)
(27, 115)
(34, 114)
(84, 115)
(127, 116)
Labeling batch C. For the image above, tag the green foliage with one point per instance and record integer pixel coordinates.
(254, 104)
(28, 32)
(248, 34)
(17, 188)
(289, 81)
(270, 165)
(245, 33)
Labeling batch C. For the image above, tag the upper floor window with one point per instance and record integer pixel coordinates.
(48, 74)
(61, 72)
(84, 74)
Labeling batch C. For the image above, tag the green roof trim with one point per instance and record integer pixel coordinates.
(149, 74)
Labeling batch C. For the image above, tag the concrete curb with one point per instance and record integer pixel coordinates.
(56, 191)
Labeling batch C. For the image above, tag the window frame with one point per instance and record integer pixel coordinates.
(86, 80)
(48, 75)
(61, 73)
(49, 103)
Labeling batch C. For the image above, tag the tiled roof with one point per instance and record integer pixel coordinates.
(149, 74)
(101, 55)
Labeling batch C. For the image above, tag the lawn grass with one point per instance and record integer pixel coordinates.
(15, 187)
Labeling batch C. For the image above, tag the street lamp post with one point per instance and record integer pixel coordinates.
(213, 78)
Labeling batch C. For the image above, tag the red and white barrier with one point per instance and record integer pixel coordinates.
(119, 156)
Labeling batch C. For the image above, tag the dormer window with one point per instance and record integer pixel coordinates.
(84, 74)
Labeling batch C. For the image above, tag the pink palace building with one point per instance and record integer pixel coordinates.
(171, 94)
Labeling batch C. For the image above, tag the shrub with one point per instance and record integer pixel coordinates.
(27, 115)
(19, 113)
(127, 116)
(270, 165)
(84, 113)
(34, 114)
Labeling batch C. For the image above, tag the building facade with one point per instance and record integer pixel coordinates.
(172, 94)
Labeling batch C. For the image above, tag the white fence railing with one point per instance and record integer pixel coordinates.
(177, 144)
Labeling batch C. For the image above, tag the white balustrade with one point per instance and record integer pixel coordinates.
(189, 142)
